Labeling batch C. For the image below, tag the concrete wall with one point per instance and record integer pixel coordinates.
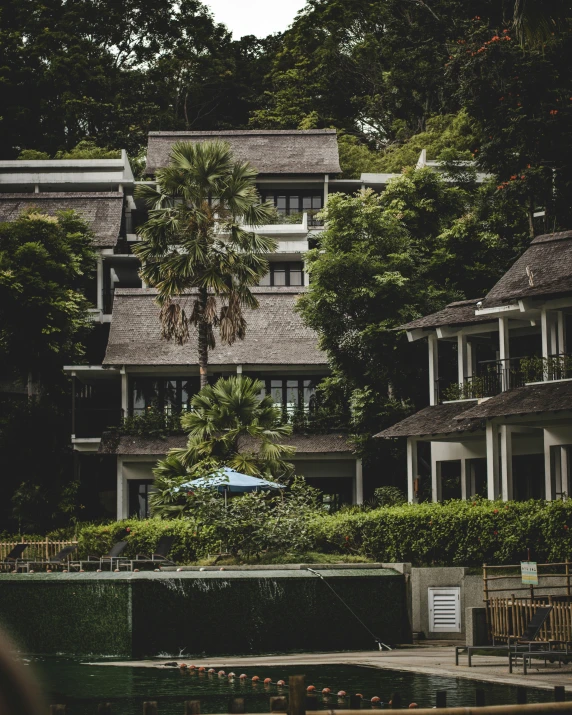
(418, 581)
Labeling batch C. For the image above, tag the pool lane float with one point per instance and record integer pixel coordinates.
(326, 691)
(281, 683)
(342, 694)
(311, 688)
(202, 669)
(183, 666)
(375, 700)
(243, 676)
(255, 678)
(267, 681)
(211, 670)
(232, 675)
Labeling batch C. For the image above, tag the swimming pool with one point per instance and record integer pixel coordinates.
(81, 687)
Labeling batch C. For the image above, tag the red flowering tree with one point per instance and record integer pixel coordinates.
(522, 99)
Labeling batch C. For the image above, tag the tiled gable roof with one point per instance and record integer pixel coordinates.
(102, 211)
(531, 399)
(549, 261)
(438, 419)
(275, 334)
(310, 151)
(159, 446)
(460, 313)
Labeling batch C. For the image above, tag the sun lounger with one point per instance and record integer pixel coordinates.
(523, 644)
(159, 557)
(13, 560)
(62, 558)
(551, 654)
(113, 555)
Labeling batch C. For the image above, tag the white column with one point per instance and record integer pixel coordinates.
(564, 469)
(545, 331)
(561, 332)
(471, 359)
(99, 305)
(239, 369)
(412, 469)
(492, 461)
(464, 485)
(326, 188)
(121, 491)
(548, 481)
(436, 481)
(504, 352)
(124, 391)
(506, 463)
(461, 358)
(433, 368)
(359, 482)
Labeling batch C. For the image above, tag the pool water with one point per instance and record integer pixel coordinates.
(81, 687)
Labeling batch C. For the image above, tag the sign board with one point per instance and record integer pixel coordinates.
(529, 573)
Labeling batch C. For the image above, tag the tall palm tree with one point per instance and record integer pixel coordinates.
(535, 21)
(195, 247)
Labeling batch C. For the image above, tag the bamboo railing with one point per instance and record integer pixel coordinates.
(508, 616)
(37, 550)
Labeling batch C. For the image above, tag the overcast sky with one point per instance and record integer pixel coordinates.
(255, 17)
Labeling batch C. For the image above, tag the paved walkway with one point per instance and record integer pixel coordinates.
(430, 660)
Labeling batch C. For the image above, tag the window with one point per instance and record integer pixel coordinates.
(139, 497)
(296, 202)
(292, 393)
(284, 274)
(171, 395)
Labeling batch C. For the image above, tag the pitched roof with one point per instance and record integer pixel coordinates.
(275, 334)
(102, 211)
(308, 151)
(549, 259)
(531, 399)
(158, 446)
(460, 313)
(438, 419)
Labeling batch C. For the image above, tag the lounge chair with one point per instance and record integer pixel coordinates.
(13, 559)
(550, 654)
(159, 556)
(114, 554)
(62, 558)
(524, 643)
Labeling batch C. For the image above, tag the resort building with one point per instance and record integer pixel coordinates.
(499, 424)
(130, 370)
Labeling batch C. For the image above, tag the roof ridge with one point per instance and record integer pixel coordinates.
(6, 196)
(239, 132)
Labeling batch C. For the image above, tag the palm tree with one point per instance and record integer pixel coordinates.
(231, 424)
(535, 21)
(195, 243)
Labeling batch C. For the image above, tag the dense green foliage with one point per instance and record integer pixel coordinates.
(385, 259)
(44, 262)
(455, 533)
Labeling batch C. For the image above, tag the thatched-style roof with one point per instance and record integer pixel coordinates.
(309, 151)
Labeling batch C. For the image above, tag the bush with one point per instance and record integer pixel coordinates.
(455, 533)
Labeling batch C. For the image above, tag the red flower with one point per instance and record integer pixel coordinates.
(495, 533)
(347, 538)
(128, 528)
(496, 511)
(565, 527)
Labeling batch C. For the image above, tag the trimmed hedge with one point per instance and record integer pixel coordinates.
(456, 533)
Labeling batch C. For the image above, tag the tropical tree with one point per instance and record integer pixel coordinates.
(230, 424)
(195, 242)
(535, 21)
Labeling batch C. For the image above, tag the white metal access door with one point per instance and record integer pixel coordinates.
(445, 610)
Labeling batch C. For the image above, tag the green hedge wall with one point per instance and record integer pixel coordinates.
(454, 533)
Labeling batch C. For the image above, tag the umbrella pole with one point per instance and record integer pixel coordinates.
(225, 498)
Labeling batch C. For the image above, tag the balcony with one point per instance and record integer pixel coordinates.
(496, 376)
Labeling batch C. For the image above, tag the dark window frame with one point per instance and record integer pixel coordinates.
(160, 400)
